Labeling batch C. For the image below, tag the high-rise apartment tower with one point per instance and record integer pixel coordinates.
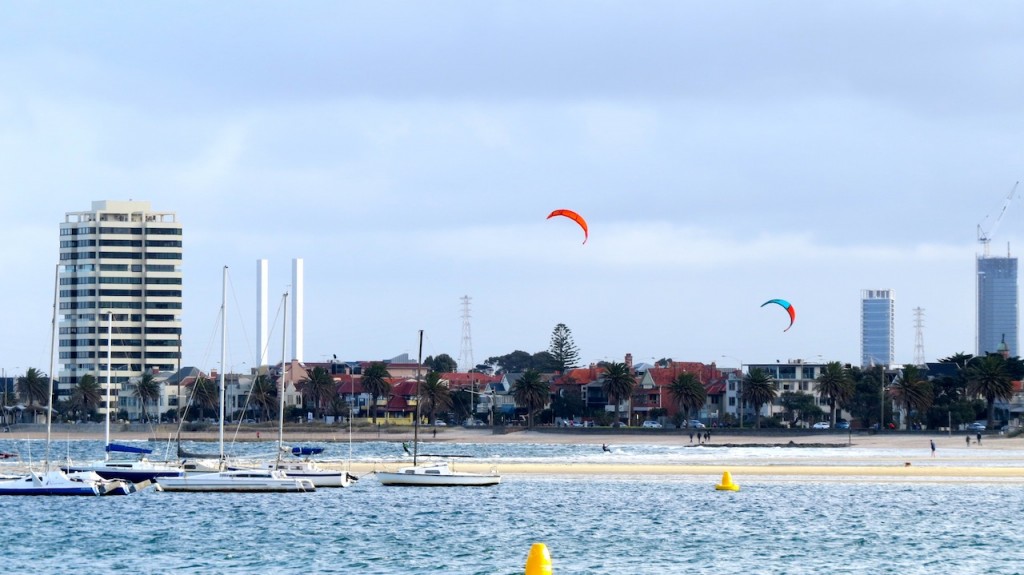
(122, 261)
(877, 324)
(997, 304)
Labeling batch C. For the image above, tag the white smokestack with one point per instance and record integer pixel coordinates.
(262, 332)
(297, 302)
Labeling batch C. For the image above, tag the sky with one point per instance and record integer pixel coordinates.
(722, 153)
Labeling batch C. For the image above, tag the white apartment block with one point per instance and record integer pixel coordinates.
(119, 273)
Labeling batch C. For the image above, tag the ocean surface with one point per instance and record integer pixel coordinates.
(590, 524)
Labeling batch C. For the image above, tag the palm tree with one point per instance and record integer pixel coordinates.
(264, 396)
(33, 386)
(434, 395)
(912, 390)
(147, 389)
(319, 387)
(758, 389)
(205, 395)
(618, 383)
(376, 384)
(835, 385)
(530, 391)
(989, 378)
(85, 397)
(687, 391)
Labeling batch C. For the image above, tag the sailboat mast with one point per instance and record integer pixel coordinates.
(284, 382)
(416, 424)
(49, 395)
(106, 431)
(223, 354)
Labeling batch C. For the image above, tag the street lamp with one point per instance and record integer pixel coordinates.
(739, 395)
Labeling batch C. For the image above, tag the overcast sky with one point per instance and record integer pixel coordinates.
(724, 153)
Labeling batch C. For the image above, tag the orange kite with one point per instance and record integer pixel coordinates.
(574, 217)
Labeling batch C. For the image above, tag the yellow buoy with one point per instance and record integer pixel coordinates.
(727, 484)
(538, 562)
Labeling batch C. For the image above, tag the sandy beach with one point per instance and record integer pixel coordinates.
(894, 456)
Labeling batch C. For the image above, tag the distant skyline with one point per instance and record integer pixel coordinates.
(722, 153)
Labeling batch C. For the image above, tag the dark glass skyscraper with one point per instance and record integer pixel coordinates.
(997, 304)
(877, 321)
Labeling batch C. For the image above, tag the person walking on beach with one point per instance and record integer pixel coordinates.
(691, 436)
(933, 447)
(979, 438)
(707, 437)
(968, 438)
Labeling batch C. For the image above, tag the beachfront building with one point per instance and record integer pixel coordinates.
(877, 327)
(796, 375)
(997, 304)
(120, 274)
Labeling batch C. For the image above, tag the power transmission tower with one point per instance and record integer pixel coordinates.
(918, 336)
(466, 350)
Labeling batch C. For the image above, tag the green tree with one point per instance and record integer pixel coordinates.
(147, 390)
(568, 403)
(687, 392)
(205, 395)
(435, 395)
(563, 350)
(319, 388)
(618, 383)
(375, 383)
(34, 387)
(865, 403)
(520, 361)
(796, 403)
(758, 390)
(912, 391)
(265, 397)
(85, 396)
(443, 363)
(988, 377)
(835, 386)
(531, 392)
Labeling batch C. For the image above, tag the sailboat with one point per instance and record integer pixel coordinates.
(54, 481)
(437, 474)
(233, 480)
(140, 470)
(304, 468)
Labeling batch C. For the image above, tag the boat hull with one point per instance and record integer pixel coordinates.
(309, 471)
(134, 471)
(49, 483)
(439, 475)
(235, 482)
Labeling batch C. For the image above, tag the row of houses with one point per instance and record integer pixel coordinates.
(492, 395)
(492, 392)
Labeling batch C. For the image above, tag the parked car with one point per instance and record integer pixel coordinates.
(820, 425)
(440, 423)
(619, 424)
(842, 425)
(695, 423)
(650, 423)
(977, 426)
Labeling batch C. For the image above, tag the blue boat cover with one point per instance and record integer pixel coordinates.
(127, 448)
(300, 451)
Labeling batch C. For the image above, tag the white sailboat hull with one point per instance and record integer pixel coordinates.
(309, 470)
(436, 475)
(49, 483)
(236, 481)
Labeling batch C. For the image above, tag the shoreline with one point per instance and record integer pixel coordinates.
(900, 456)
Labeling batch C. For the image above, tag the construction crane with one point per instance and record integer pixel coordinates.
(984, 237)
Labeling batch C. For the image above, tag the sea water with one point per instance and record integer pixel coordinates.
(591, 524)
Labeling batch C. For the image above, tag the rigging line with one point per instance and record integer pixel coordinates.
(192, 389)
(240, 319)
(248, 396)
